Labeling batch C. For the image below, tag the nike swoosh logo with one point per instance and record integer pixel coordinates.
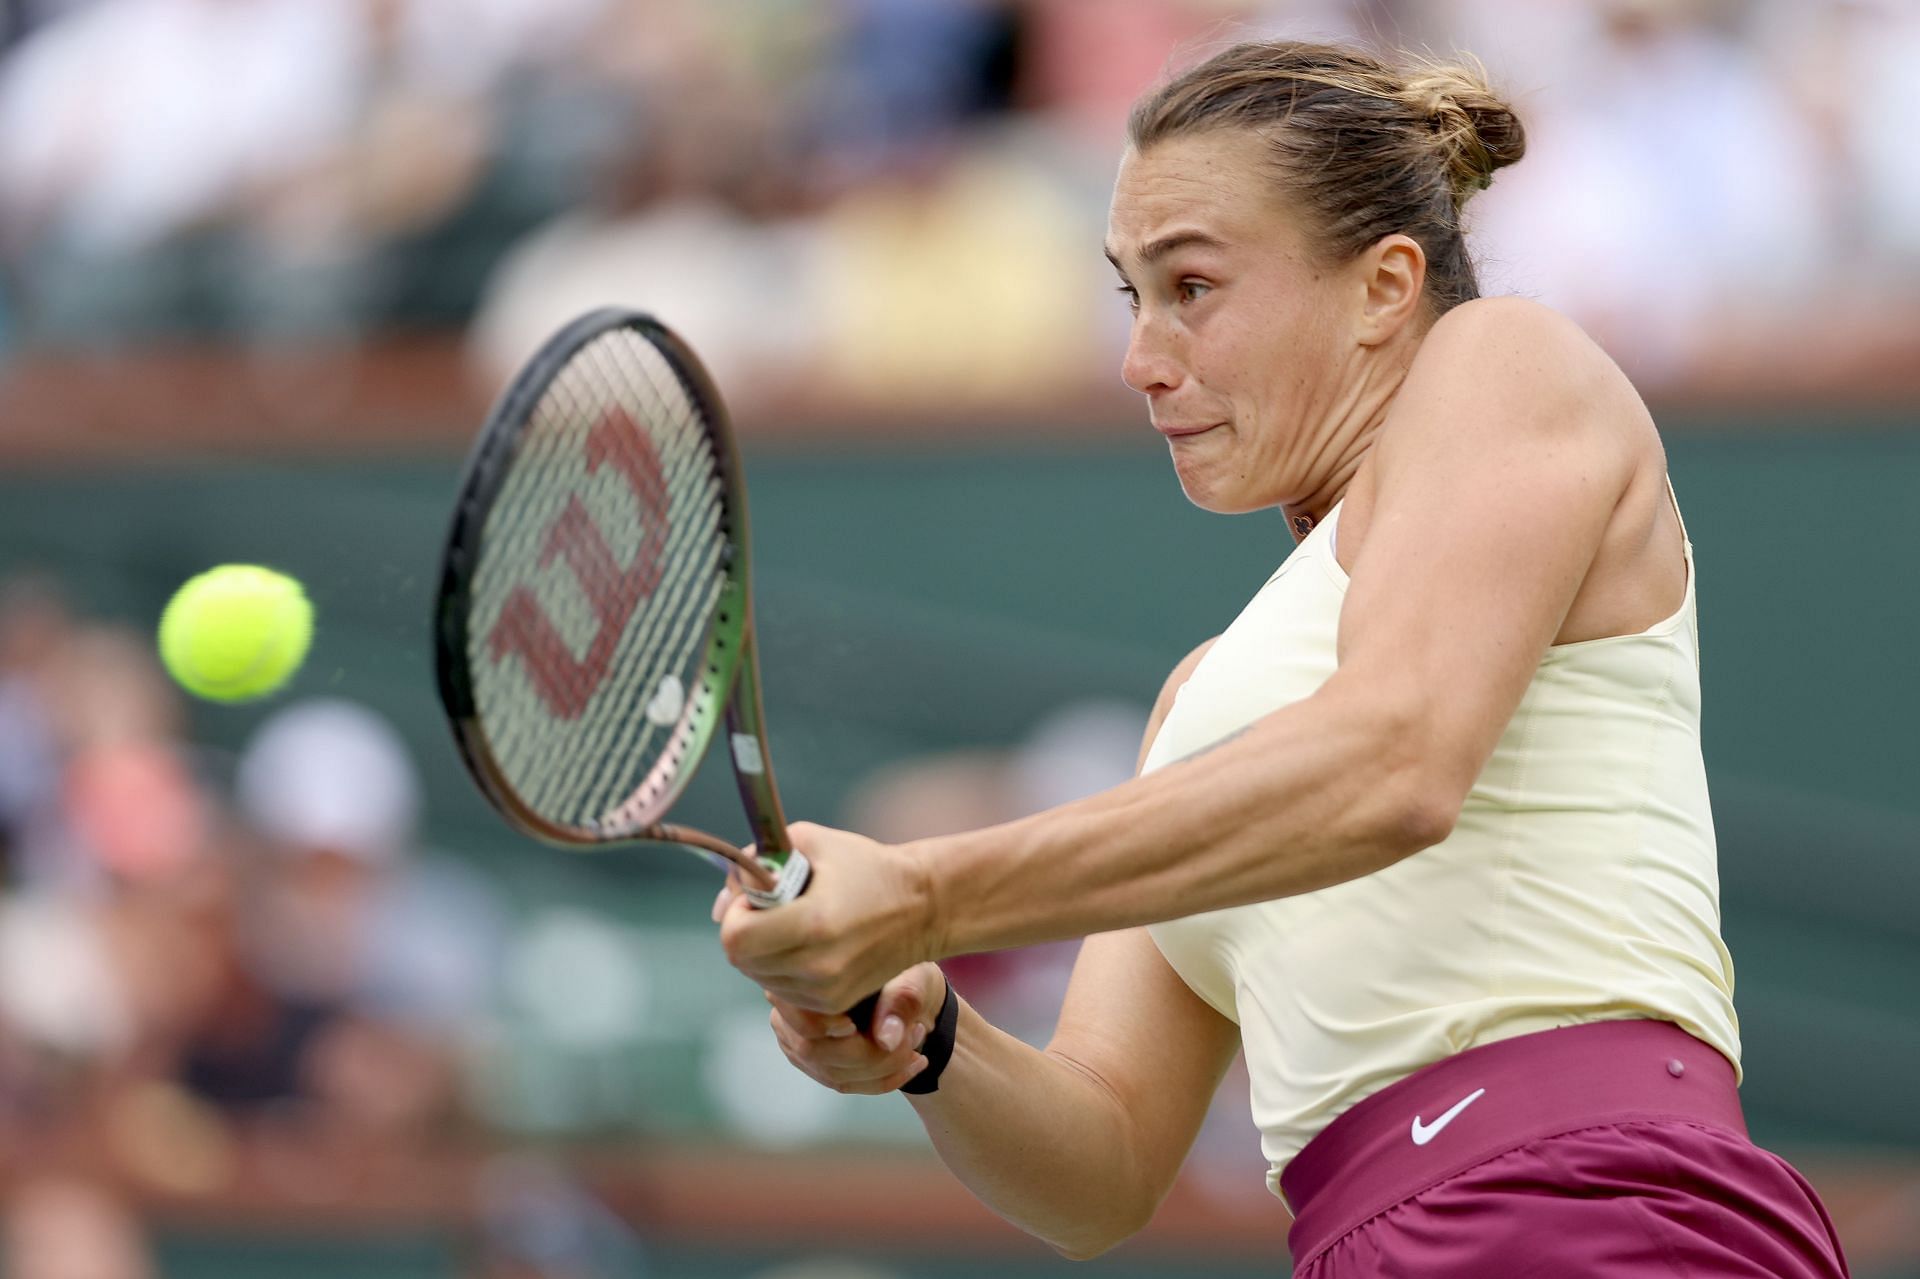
(1424, 1133)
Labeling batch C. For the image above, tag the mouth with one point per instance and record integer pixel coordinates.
(1175, 432)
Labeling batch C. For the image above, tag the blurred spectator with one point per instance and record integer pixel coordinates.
(245, 165)
(696, 232)
(811, 224)
(60, 1228)
(379, 959)
(122, 817)
(19, 17)
(901, 77)
(1089, 62)
(1850, 67)
(1665, 189)
(166, 974)
(967, 281)
(34, 626)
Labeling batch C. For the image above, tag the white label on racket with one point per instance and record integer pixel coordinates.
(746, 754)
(669, 699)
(789, 881)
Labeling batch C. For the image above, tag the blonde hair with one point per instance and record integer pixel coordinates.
(1365, 148)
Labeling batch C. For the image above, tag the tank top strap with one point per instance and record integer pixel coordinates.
(1674, 498)
(1690, 601)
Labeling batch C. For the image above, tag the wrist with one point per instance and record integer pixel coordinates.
(930, 896)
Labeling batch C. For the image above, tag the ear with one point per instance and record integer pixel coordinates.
(1393, 275)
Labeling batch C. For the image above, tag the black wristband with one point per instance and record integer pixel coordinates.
(937, 1048)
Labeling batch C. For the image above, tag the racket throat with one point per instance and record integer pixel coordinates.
(760, 875)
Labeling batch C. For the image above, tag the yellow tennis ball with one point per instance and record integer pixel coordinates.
(236, 632)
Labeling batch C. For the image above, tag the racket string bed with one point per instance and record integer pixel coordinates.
(582, 766)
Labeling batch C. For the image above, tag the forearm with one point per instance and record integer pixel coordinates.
(1039, 1140)
(1314, 794)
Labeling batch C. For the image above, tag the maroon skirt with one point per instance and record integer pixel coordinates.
(1609, 1149)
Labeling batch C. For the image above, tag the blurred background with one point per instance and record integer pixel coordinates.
(280, 998)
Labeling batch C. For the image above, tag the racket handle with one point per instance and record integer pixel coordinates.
(790, 880)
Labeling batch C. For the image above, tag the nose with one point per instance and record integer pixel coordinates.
(1149, 366)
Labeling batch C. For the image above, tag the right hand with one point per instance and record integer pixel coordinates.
(828, 1048)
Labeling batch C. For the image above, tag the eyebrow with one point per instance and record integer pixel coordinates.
(1154, 250)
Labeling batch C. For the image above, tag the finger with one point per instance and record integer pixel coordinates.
(901, 1007)
(850, 1060)
(846, 1065)
(810, 1024)
(750, 936)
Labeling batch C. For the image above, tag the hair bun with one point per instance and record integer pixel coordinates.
(1476, 131)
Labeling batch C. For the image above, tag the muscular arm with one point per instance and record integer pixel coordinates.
(1496, 475)
(1079, 1144)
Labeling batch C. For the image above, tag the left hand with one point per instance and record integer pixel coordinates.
(866, 916)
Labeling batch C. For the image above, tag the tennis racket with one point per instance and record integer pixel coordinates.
(594, 625)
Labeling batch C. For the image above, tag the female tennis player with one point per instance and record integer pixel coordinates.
(1425, 831)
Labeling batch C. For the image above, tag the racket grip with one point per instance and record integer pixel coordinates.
(790, 880)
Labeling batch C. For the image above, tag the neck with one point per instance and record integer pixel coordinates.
(1355, 424)
(1306, 514)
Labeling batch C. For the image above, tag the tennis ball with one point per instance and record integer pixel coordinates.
(235, 632)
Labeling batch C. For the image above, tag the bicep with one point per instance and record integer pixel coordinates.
(1492, 496)
(1131, 1025)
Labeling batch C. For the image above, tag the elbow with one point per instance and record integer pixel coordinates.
(1425, 816)
(1092, 1244)
(1416, 795)
(1088, 1238)
(1402, 778)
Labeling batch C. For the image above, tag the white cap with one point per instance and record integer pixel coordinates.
(326, 773)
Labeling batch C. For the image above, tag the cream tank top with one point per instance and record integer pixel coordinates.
(1579, 884)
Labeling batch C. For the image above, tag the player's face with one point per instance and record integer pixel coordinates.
(1237, 328)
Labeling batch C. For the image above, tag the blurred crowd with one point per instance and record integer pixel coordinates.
(896, 202)
(223, 976)
(208, 972)
(235, 974)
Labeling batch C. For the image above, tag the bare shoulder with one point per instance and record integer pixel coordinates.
(1513, 326)
(1168, 691)
(1499, 371)
(1518, 352)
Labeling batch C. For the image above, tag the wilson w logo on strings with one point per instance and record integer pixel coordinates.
(566, 681)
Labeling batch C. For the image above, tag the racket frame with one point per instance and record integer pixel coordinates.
(728, 685)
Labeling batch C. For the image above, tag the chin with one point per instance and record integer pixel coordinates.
(1218, 494)
(1216, 500)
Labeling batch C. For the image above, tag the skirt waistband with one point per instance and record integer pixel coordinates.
(1448, 1117)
